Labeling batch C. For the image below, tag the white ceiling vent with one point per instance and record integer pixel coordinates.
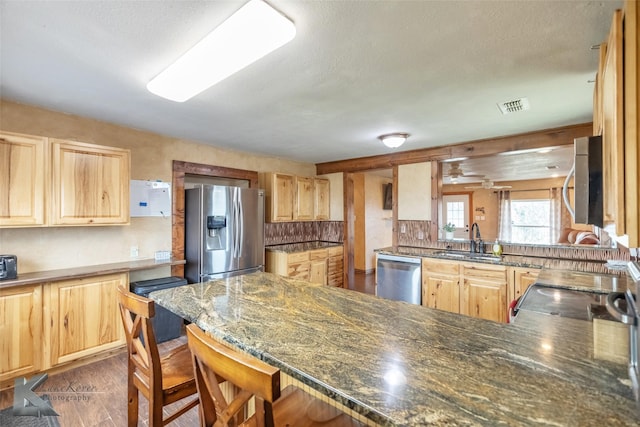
(514, 106)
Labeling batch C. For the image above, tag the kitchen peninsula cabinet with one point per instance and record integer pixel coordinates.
(295, 198)
(23, 176)
(90, 184)
(472, 289)
(20, 331)
(82, 317)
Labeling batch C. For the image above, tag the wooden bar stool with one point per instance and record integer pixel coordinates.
(162, 378)
(214, 362)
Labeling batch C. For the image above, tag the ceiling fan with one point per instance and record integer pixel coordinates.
(487, 184)
(455, 172)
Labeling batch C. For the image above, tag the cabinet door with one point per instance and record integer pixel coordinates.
(22, 180)
(441, 292)
(484, 299)
(322, 199)
(304, 203)
(90, 184)
(318, 272)
(522, 279)
(613, 129)
(280, 197)
(484, 291)
(20, 331)
(441, 284)
(83, 317)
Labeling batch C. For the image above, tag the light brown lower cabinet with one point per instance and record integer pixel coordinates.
(49, 324)
(484, 291)
(472, 289)
(519, 280)
(20, 331)
(322, 266)
(441, 285)
(335, 268)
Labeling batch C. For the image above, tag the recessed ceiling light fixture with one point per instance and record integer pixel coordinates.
(393, 140)
(255, 30)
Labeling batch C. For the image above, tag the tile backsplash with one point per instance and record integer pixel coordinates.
(279, 233)
(413, 230)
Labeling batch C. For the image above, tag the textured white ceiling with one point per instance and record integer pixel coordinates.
(355, 70)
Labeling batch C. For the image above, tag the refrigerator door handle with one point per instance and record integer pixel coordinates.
(240, 226)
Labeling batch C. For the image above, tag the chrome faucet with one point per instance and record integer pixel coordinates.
(476, 244)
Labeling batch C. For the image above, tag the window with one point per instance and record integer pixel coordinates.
(455, 214)
(530, 221)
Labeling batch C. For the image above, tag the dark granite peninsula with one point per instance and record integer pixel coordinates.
(407, 365)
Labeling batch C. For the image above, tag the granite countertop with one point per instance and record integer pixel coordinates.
(507, 260)
(86, 271)
(407, 365)
(302, 247)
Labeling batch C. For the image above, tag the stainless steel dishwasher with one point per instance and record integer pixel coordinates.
(399, 278)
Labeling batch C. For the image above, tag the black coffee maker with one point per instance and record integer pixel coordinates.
(8, 267)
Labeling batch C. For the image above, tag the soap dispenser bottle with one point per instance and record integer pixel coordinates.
(497, 248)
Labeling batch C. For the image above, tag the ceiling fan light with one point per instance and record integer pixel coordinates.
(393, 140)
(255, 30)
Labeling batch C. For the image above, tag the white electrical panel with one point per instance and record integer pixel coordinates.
(150, 198)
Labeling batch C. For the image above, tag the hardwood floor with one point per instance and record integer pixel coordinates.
(364, 283)
(96, 395)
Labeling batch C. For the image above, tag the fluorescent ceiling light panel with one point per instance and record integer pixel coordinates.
(252, 32)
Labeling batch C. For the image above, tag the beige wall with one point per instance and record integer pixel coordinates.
(378, 221)
(51, 248)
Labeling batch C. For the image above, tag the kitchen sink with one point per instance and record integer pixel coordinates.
(469, 255)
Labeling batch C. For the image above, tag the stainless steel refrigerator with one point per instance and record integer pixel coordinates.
(224, 232)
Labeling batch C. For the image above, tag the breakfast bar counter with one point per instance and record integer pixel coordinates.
(407, 365)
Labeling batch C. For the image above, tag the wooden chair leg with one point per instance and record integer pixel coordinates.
(132, 407)
(155, 412)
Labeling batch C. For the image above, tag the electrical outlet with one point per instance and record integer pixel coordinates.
(420, 235)
(134, 252)
(403, 228)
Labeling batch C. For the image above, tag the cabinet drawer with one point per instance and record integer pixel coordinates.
(318, 254)
(485, 272)
(298, 257)
(335, 251)
(440, 267)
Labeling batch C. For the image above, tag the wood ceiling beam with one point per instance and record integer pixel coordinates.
(481, 147)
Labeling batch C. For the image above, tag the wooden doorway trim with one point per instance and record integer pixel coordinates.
(180, 169)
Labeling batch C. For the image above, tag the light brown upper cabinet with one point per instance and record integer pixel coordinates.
(90, 184)
(322, 199)
(23, 179)
(278, 196)
(304, 196)
(616, 100)
(613, 127)
(295, 198)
